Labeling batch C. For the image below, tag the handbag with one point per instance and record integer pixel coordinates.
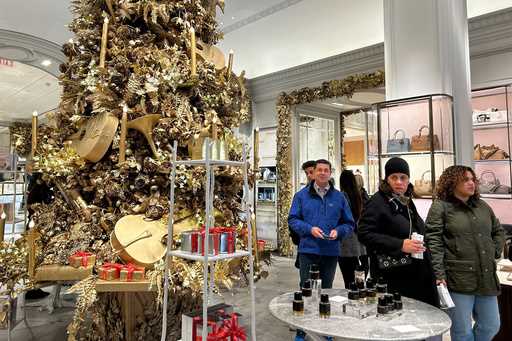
(398, 145)
(491, 152)
(487, 185)
(385, 262)
(423, 187)
(497, 116)
(422, 142)
(477, 152)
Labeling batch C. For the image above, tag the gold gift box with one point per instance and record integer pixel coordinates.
(133, 274)
(79, 259)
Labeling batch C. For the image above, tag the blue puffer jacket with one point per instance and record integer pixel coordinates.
(332, 212)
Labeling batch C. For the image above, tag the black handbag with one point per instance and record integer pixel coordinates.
(386, 262)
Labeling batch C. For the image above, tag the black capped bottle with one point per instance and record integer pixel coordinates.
(314, 272)
(298, 304)
(397, 300)
(306, 289)
(382, 287)
(353, 294)
(371, 292)
(382, 307)
(324, 306)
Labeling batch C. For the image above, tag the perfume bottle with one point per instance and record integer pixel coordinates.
(371, 293)
(324, 307)
(298, 304)
(382, 307)
(389, 302)
(397, 300)
(306, 289)
(314, 272)
(382, 287)
(363, 295)
(359, 276)
(353, 294)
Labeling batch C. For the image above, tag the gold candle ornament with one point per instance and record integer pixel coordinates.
(104, 37)
(193, 62)
(3, 218)
(230, 62)
(256, 148)
(34, 134)
(122, 140)
(214, 128)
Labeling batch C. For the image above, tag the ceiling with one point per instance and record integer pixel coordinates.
(25, 89)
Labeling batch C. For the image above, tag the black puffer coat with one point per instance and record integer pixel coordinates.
(383, 226)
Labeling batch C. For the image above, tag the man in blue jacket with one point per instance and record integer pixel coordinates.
(321, 216)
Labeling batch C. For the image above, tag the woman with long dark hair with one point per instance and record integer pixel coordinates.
(465, 238)
(353, 253)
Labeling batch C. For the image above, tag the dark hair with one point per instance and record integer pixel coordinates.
(349, 185)
(323, 161)
(450, 178)
(307, 164)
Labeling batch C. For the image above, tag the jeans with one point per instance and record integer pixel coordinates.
(483, 309)
(326, 264)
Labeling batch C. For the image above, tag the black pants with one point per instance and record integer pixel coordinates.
(349, 264)
(326, 264)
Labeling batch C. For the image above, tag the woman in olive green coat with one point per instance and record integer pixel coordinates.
(465, 237)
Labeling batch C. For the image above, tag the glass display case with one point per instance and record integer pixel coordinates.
(419, 130)
(492, 113)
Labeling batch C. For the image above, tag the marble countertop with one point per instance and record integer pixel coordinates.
(417, 320)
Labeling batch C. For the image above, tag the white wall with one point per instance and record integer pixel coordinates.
(265, 113)
(491, 70)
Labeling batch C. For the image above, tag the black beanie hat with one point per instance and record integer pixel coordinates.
(396, 165)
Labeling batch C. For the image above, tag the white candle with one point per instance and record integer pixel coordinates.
(230, 62)
(122, 140)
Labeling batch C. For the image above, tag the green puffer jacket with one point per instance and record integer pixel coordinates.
(465, 239)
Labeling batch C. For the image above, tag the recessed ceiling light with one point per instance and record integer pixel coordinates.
(46, 62)
(232, 18)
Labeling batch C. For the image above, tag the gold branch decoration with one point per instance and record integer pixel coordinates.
(285, 106)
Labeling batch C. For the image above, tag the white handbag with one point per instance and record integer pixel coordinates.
(491, 115)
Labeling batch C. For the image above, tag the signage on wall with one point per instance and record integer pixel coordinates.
(6, 62)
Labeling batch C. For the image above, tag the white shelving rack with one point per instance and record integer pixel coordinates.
(208, 272)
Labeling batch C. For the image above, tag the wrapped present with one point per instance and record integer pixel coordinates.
(232, 328)
(189, 241)
(191, 323)
(227, 239)
(215, 332)
(131, 273)
(82, 258)
(110, 271)
(213, 243)
(261, 245)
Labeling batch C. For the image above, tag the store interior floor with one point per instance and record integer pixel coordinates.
(283, 277)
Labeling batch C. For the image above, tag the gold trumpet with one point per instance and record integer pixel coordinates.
(144, 125)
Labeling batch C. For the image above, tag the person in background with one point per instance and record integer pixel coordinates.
(309, 170)
(465, 238)
(353, 253)
(385, 228)
(321, 216)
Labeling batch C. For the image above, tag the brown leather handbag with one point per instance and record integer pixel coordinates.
(423, 187)
(422, 142)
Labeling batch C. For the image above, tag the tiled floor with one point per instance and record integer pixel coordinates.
(283, 278)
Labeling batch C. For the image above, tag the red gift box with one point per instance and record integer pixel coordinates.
(233, 329)
(214, 242)
(215, 333)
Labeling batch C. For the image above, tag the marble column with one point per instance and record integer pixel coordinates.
(427, 52)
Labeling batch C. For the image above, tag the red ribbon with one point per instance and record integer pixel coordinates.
(84, 256)
(234, 330)
(130, 268)
(217, 334)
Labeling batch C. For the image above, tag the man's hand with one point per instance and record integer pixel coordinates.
(333, 234)
(441, 281)
(317, 232)
(412, 246)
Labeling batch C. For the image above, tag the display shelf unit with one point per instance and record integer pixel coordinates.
(266, 204)
(492, 125)
(208, 275)
(13, 197)
(418, 129)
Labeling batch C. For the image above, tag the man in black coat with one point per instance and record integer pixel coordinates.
(385, 228)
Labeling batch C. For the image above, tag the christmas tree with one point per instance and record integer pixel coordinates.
(139, 75)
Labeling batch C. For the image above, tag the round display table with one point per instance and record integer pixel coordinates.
(416, 321)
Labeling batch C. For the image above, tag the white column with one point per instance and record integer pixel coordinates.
(427, 52)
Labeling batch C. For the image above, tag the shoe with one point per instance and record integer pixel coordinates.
(36, 294)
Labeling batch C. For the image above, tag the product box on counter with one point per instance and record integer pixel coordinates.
(110, 271)
(131, 273)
